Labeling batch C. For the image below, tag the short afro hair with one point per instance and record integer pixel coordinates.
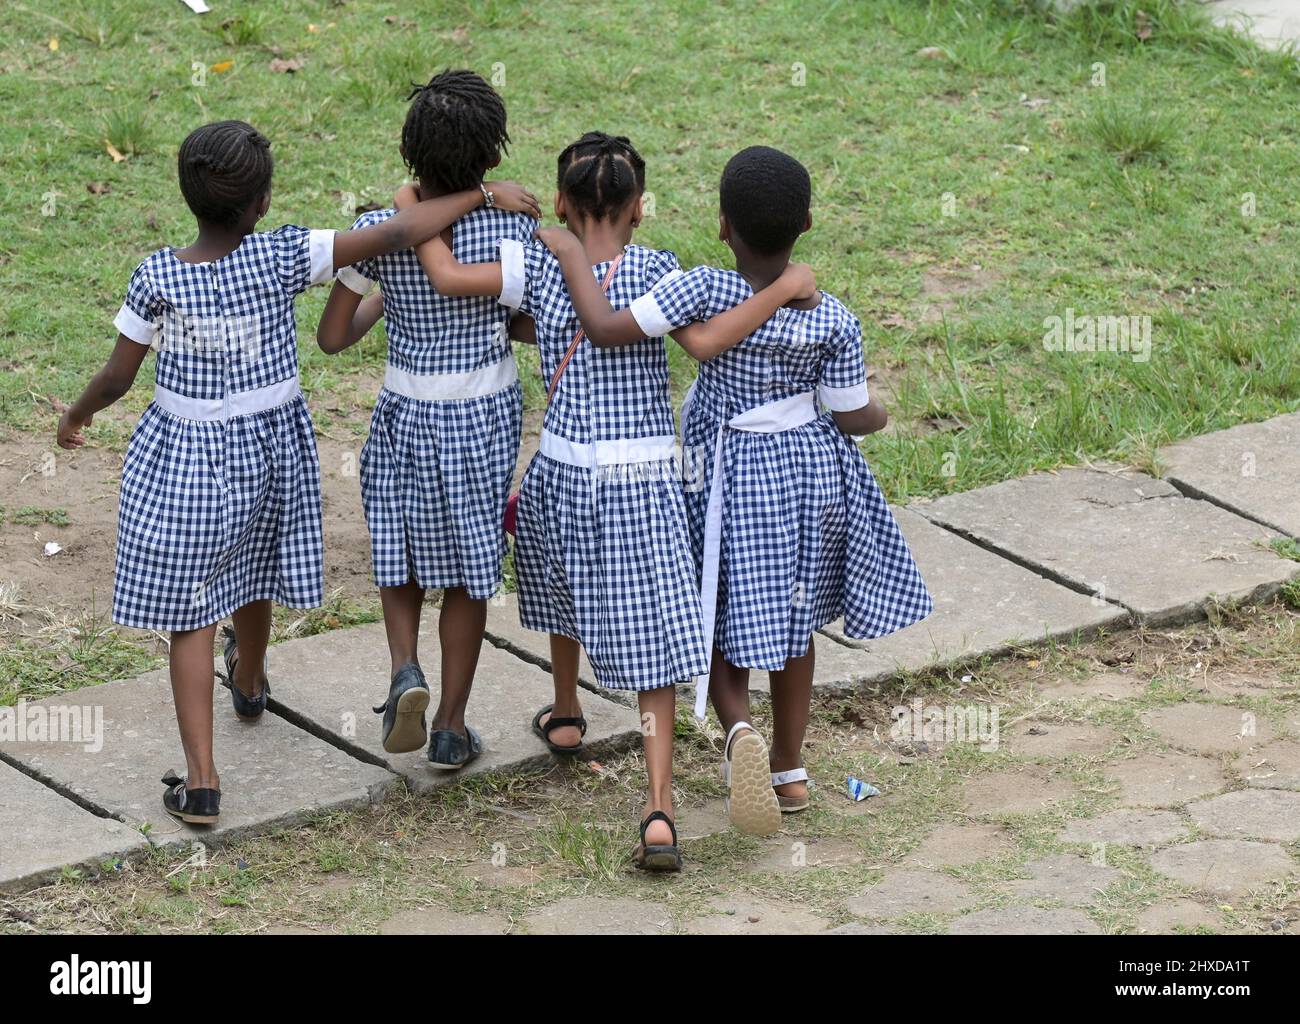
(766, 195)
(455, 130)
(224, 168)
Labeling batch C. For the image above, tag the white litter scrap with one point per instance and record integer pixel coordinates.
(52, 547)
(197, 6)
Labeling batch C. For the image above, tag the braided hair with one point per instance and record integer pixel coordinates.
(224, 168)
(600, 174)
(455, 130)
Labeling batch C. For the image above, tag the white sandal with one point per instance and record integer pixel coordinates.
(790, 804)
(753, 805)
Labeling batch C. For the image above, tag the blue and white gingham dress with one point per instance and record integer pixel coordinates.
(213, 514)
(608, 564)
(807, 535)
(435, 475)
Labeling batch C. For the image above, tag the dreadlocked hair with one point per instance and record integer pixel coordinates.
(600, 174)
(455, 130)
(224, 168)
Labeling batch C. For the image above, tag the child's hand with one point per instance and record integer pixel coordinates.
(560, 241)
(406, 196)
(801, 281)
(70, 436)
(506, 195)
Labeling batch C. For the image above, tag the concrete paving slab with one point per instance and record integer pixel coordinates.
(1253, 469)
(1250, 814)
(1225, 867)
(271, 771)
(902, 892)
(1123, 537)
(41, 831)
(331, 682)
(983, 604)
(751, 915)
(1273, 23)
(1166, 780)
(1024, 921)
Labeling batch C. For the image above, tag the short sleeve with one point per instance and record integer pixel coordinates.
(514, 274)
(843, 384)
(523, 269)
(140, 317)
(303, 257)
(676, 300)
(526, 227)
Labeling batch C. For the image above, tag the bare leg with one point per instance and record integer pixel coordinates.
(460, 634)
(565, 653)
(252, 634)
(729, 691)
(657, 723)
(791, 697)
(402, 607)
(191, 672)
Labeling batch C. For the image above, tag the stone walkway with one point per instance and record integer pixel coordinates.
(1274, 23)
(1050, 556)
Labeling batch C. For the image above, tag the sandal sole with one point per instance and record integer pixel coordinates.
(408, 732)
(660, 858)
(753, 806)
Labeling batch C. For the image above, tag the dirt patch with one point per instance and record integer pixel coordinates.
(70, 498)
(943, 288)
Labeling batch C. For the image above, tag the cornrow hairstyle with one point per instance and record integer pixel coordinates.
(766, 194)
(600, 174)
(455, 130)
(224, 168)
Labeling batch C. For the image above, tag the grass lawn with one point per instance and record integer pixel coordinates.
(1110, 164)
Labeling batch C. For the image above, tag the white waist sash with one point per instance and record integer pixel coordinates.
(772, 418)
(239, 403)
(444, 387)
(625, 451)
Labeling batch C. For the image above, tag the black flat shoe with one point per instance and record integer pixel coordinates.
(247, 708)
(194, 806)
(450, 750)
(408, 697)
(657, 858)
(543, 730)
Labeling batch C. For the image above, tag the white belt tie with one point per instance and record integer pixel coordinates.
(771, 418)
(445, 387)
(239, 403)
(625, 451)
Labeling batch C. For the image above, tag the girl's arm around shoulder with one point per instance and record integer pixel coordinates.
(347, 318)
(424, 220)
(449, 275)
(105, 388)
(714, 336)
(607, 327)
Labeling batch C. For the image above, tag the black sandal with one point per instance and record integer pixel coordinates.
(544, 731)
(657, 858)
(193, 806)
(248, 708)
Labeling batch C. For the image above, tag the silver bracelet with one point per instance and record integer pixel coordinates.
(489, 200)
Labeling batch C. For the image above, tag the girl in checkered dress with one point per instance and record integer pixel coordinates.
(220, 506)
(436, 468)
(601, 552)
(790, 530)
